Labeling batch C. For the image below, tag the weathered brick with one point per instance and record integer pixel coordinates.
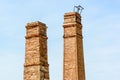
(73, 48)
(36, 52)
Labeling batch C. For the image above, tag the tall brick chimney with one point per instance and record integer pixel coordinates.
(36, 60)
(73, 65)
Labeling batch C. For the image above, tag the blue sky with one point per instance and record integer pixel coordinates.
(101, 29)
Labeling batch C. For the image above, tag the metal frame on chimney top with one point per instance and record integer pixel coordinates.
(78, 9)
